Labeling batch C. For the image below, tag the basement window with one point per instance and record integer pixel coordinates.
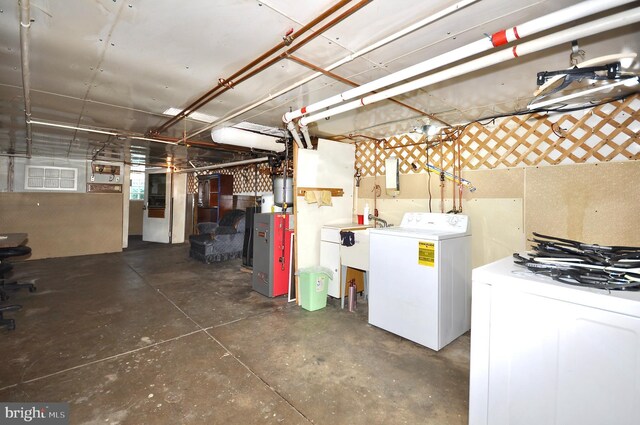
(136, 191)
(39, 177)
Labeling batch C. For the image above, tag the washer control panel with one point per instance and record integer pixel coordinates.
(435, 221)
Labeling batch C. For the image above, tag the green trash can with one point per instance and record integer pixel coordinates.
(314, 284)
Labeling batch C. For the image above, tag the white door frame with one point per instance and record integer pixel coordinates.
(157, 229)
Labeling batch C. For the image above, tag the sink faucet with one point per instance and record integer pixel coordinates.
(378, 219)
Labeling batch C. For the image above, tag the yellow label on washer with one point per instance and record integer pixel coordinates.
(426, 254)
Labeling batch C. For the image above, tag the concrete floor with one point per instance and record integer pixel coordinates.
(150, 336)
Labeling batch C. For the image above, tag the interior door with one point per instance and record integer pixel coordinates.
(157, 207)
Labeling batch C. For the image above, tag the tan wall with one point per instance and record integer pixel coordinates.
(64, 224)
(135, 217)
(596, 203)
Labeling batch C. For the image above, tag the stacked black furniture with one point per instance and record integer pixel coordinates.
(7, 285)
(219, 241)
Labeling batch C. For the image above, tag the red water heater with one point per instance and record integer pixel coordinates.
(271, 253)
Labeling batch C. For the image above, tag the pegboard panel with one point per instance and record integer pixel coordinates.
(608, 132)
(246, 179)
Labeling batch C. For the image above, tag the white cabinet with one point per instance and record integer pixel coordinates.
(547, 353)
(330, 252)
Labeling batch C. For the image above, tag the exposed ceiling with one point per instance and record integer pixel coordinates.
(119, 65)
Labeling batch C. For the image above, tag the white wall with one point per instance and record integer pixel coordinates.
(331, 165)
(179, 195)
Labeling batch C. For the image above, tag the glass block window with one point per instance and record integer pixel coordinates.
(39, 177)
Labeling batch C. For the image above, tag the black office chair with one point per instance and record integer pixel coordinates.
(10, 324)
(6, 267)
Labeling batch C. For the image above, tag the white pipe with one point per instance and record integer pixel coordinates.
(292, 129)
(580, 31)
(238, 137)
(316, 106)
(307, 138)
(225, 165)
(499, 38)
(92, 130)
(378, 44)
(25, 24)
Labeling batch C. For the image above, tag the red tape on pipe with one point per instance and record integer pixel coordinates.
(499, 38)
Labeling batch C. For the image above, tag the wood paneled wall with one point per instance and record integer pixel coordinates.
(64, 224)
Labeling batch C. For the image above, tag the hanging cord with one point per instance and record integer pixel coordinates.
(441, 180)
(459, 143)
(428, 178)
(453, 174)
(255, 185)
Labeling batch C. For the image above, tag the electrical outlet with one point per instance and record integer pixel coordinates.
(93, 178)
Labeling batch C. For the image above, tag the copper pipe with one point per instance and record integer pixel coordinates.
(354, 84)
(284, 54)
(221, 83)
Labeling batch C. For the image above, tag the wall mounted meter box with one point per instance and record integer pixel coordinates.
(392, 176)
(105, 172)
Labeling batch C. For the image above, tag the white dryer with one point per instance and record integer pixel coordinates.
(420, 278)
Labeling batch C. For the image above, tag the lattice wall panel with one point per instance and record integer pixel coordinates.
(605, 133)
(245, 179)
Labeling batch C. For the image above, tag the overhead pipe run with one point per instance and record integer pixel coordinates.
(225, 84)
(604, 24)
(289, 51)
(349, 58)
(499, 38)
(25, 25)
(354, 84)
(580, 31)
(436, 16)
(601, 25)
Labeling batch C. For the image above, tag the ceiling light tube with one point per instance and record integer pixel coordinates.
(72, 127)
(93, 130)
(601, 25)
(152, 140)
(225, 165)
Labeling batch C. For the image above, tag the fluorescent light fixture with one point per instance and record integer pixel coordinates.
(563, 99)
(153, 140)
(196, 116)
(120, 136)
(70, 127)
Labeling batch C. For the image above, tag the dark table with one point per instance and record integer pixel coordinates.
(12, 239)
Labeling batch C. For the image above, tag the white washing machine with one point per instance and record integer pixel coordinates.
(420, 278)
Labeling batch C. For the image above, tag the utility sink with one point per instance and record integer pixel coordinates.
(357, 256)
